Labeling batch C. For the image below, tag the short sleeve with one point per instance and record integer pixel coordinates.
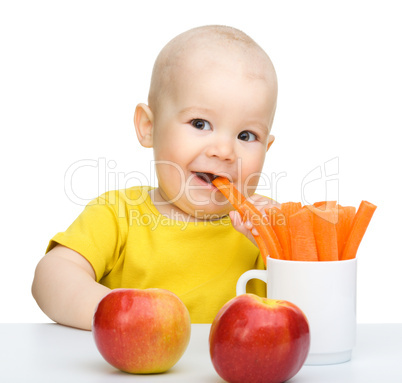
(96, 235)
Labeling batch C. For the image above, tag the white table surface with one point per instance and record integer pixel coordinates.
(53, 353)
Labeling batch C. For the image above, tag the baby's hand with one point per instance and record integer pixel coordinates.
(246, 226)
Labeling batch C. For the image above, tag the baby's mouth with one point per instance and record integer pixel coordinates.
(206, 177)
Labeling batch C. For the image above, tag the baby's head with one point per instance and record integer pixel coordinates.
(210, 110)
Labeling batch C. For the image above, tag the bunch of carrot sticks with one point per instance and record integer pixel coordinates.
(324, 231)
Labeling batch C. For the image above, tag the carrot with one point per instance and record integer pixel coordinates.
(324, 227)
(229, 191)
(302, 236)
(278, 222)
(267, 241)
(318, 204)
(325, 204)
(244, 212)
(345, 219)
(359, 226)
(289, 208)
(270, 243)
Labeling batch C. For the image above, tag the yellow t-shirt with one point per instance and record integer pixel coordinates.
(130, 244)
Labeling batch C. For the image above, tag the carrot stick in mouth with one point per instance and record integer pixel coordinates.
(265, 231)
(267, 241)
(261, 243)
(359, 226)
(229, 191)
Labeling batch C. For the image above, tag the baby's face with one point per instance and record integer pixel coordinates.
(215, 120)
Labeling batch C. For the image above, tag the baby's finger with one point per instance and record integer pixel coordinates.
(235, 218)
(244, 227)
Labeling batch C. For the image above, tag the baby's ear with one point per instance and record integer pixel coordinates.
(143, 122)
(271, 140)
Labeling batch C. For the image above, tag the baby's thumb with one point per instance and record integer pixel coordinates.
(241, 226)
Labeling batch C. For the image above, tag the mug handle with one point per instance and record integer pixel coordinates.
(247, 276)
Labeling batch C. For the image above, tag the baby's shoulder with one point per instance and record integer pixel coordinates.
(133, 196)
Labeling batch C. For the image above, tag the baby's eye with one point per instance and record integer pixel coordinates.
(246, 136)
(201, 124)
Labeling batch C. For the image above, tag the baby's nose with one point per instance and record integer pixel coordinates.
(222, 149)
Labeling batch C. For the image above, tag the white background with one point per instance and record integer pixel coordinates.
(71, 73)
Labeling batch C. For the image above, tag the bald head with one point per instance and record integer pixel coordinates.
(203, 46)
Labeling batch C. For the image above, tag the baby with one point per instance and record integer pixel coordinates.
(210, 109)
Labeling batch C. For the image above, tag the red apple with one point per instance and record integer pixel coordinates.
(258, 340)
(141, 331)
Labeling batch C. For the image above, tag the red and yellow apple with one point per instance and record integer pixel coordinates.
(141, 331)
(258, 340)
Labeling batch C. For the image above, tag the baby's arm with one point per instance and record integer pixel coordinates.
(65, 288)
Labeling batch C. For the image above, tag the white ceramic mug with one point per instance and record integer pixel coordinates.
(325, 292)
